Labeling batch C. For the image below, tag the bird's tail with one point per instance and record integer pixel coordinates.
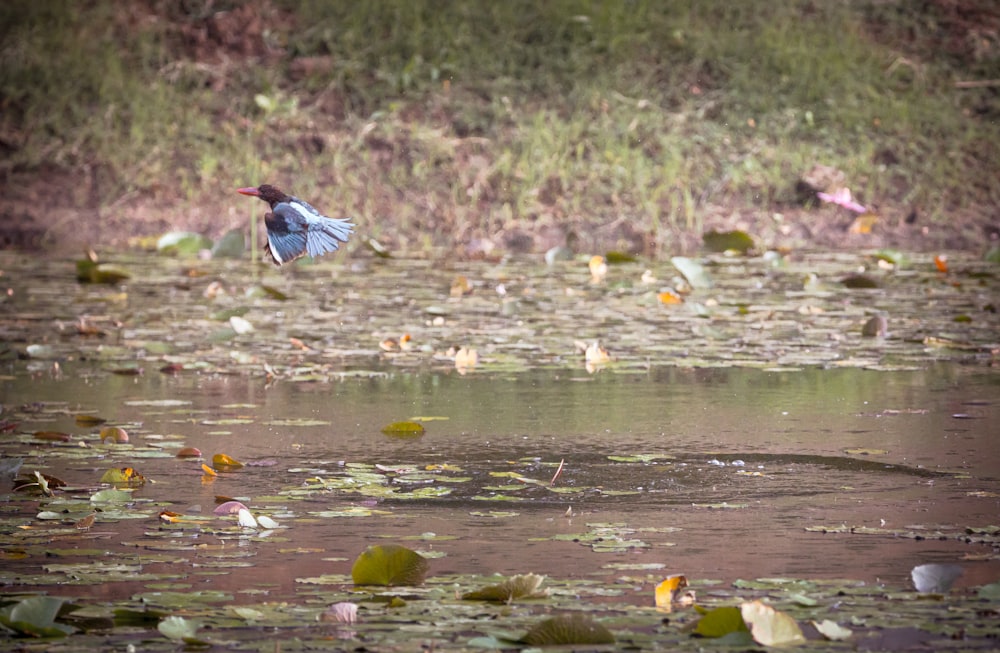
(327, 235)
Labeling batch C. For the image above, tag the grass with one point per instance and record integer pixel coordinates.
(625, 124)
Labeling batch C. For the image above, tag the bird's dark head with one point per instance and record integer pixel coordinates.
(266, 192)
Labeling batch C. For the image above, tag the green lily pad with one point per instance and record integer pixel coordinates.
(404, 429)
(232, 245)
(389, 564)
(722, 241)
(720, 622)
(183, 243)
(572, 629)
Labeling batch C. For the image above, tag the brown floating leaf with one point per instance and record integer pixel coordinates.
(859, 281)
(115, 434)
(172, 368)
(875, 327)
(53, 436)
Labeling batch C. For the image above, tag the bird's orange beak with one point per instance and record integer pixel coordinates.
(248, 191)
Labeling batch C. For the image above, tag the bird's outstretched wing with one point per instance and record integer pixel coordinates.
(295, 229)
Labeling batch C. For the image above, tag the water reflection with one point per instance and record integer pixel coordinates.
(739, 461)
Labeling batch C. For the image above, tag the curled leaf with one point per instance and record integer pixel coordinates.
(770, 627)
(222, 461)
(935, 579)
(344, 612)
(521, 586)
(832, 630)
(115, 434)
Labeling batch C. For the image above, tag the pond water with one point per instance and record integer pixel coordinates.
(720, 442)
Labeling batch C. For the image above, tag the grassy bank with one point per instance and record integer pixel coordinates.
(626, 124)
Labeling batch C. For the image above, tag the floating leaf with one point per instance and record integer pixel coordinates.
(229, 508)
(246, 519)
(111, 496)
(862, 451)
(123, 476)
(667, 591)
(389, 564)
(222, 461)
(344, 612)
(232, 244)
(404, 429)
(183, 243)
(722, 241)
(521, 586)
(53, 436)
(720, 622)
(770, 627)
(692, 271)
(832, 630)
(617, 258)
(568, 630)
(86, 421)
(895, 258)
(934, 578)
(93, 272)
(35, 616)
(240, 326)
(864, 223)
(180, 629)
(875, 327)
(466, 359)
(859, 281)
(668, 296)
(115, 434)
(40, 351)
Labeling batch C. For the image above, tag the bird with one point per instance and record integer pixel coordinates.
(296, 229)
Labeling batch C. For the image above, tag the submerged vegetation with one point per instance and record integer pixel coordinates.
(520, 125)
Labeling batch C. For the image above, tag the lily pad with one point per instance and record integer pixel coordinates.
(389, 564)
(572, 629)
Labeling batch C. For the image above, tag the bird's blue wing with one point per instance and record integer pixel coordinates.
(286, 241)
(326, 235)
(322, 234)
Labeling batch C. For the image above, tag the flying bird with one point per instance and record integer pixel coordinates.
(295, 228)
